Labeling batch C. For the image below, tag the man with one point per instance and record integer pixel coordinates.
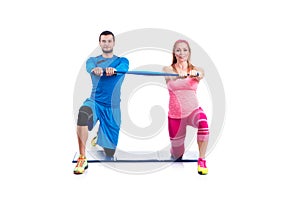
(104, 102)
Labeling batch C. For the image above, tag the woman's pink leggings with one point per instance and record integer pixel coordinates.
(177, 130)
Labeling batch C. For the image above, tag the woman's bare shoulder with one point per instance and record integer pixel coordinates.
(168, 69)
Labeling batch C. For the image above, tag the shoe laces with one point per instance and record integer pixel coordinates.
(202, 162)
(80, 161)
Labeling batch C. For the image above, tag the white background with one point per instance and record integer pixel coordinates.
(254, 45)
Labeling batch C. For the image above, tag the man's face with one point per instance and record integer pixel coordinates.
(107, 43)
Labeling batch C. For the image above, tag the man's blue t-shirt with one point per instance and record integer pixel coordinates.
(106, 90)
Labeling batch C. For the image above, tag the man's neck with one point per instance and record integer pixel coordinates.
(107, 55)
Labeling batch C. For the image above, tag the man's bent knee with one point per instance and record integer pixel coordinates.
(109, 152)
(85, 115)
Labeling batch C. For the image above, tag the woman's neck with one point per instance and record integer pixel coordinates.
(182, 65)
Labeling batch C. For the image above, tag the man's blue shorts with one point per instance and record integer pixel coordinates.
(110, 120)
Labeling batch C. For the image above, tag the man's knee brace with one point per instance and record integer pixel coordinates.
(85, 116)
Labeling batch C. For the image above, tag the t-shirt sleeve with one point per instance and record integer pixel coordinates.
(123, 65)
(90, 64)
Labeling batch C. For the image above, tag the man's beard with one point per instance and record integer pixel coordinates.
(107, 51)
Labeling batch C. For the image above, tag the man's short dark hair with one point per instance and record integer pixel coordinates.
(106, 33)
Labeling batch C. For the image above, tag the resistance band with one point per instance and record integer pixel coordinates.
(148, 73)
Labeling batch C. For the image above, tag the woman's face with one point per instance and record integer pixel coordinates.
(181, 52)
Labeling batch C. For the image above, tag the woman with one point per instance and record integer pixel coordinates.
(184, 109)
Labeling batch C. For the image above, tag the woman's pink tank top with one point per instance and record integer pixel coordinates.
(183, 98)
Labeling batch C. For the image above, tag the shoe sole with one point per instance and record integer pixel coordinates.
(77, 173)
(202, 173)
